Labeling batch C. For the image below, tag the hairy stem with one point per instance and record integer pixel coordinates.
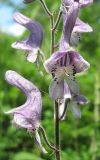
(57, 133)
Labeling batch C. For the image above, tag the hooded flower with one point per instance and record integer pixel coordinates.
(79, 27)
(27, 115)
(31, 45)
(65, 63)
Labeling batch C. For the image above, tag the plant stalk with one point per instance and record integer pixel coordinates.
(52, 35)
(57, 132)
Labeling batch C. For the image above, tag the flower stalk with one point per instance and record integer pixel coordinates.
(45, 138)
(57, 132)
(58, 20)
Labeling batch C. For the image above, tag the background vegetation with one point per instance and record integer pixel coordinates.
(80, 138)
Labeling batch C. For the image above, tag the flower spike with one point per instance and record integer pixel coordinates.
(27, 115)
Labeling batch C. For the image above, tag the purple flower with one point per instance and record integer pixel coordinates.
(64, 65)
(78, 28)
(82, 3)
(27, 115)
(32, 44)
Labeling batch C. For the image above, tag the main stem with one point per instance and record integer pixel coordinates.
(57, 132)
(56, 118)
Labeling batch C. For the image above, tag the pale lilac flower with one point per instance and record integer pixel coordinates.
(27, 115)
(64, 65)
(79, 27)
(32, 44)
(82, 3)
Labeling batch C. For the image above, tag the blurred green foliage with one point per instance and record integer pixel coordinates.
(80, 138)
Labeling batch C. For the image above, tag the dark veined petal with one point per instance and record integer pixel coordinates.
(27, 115)
(65, 59)
(49, 63)
(56, 89)
(81, 27)
(79, 62)
(70, 21)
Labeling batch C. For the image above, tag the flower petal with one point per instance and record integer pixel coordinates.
(21, 45)
(32, 56)
(67, 92)
(81, 27)
(27, 22)
(17, 80)
(70, 21)
(80, 99)
(75, 109)
(29, 114)
(56, 89)
(82, 3)
(79, 62)
(21, 122)
(36, 36)
(85, 3)
(75, 38)
(70, 58)
(73, 85)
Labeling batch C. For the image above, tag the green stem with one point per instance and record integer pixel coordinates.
(45, 138)
(57, 133)
(46, 8)
(52, 35)
(58, 20)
